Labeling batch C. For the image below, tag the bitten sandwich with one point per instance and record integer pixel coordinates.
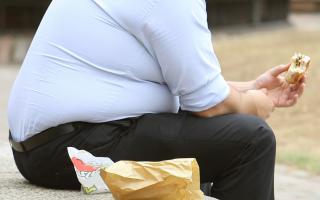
(299, 66)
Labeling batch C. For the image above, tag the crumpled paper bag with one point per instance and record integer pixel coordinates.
(87, 168)
(165, 180)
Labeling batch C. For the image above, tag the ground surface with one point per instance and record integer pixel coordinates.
(243, 55)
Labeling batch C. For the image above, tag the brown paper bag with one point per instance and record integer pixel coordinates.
(166, 180)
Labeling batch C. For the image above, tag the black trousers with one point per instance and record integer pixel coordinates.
(235, 152)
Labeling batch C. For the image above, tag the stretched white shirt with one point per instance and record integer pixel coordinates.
(103, 60)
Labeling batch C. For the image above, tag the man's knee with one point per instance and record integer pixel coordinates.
(258, 139)
(259, 132)
(266, 137)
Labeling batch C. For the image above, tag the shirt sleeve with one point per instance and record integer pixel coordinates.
(179, 36)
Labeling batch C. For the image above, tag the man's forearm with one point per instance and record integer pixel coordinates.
(242, 86)
(236, 102)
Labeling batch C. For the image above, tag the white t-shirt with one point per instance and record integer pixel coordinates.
(102, 60)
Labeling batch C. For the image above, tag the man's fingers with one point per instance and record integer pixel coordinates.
(291, 102)
(304, 79)
(279, 69)
(295, 87)
(301, 89)
(298, 88)
(264, 90)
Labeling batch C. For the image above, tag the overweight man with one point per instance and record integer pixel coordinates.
(139, 80)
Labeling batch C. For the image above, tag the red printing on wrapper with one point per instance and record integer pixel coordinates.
(81, 166)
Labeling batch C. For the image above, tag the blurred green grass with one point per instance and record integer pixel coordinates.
(300, 159)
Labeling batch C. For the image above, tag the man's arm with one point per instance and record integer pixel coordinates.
(188, 63)
(253, 102)
(243, 86)
(269, 80)
(185, 55)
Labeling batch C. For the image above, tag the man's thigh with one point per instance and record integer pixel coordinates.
(215, 142)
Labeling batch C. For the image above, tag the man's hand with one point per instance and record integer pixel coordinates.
(280, 92)
(271, 79)
(287, 95)
(258, 97)
(264, 105)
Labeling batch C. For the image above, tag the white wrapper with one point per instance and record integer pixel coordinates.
(87, 168)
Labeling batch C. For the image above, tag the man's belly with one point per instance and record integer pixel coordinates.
(92, 100)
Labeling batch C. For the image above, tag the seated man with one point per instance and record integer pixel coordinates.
(110, 77)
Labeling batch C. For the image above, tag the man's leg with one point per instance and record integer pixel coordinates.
(235, 152)
(49, 165)
(206, 188)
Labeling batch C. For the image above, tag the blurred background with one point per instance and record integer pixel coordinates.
(249, 36)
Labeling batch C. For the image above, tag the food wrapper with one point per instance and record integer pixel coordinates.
(166, 180)
(88, 168)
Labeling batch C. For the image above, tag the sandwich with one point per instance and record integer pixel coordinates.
(299, 66)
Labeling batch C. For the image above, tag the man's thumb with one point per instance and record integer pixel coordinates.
(279, 69)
